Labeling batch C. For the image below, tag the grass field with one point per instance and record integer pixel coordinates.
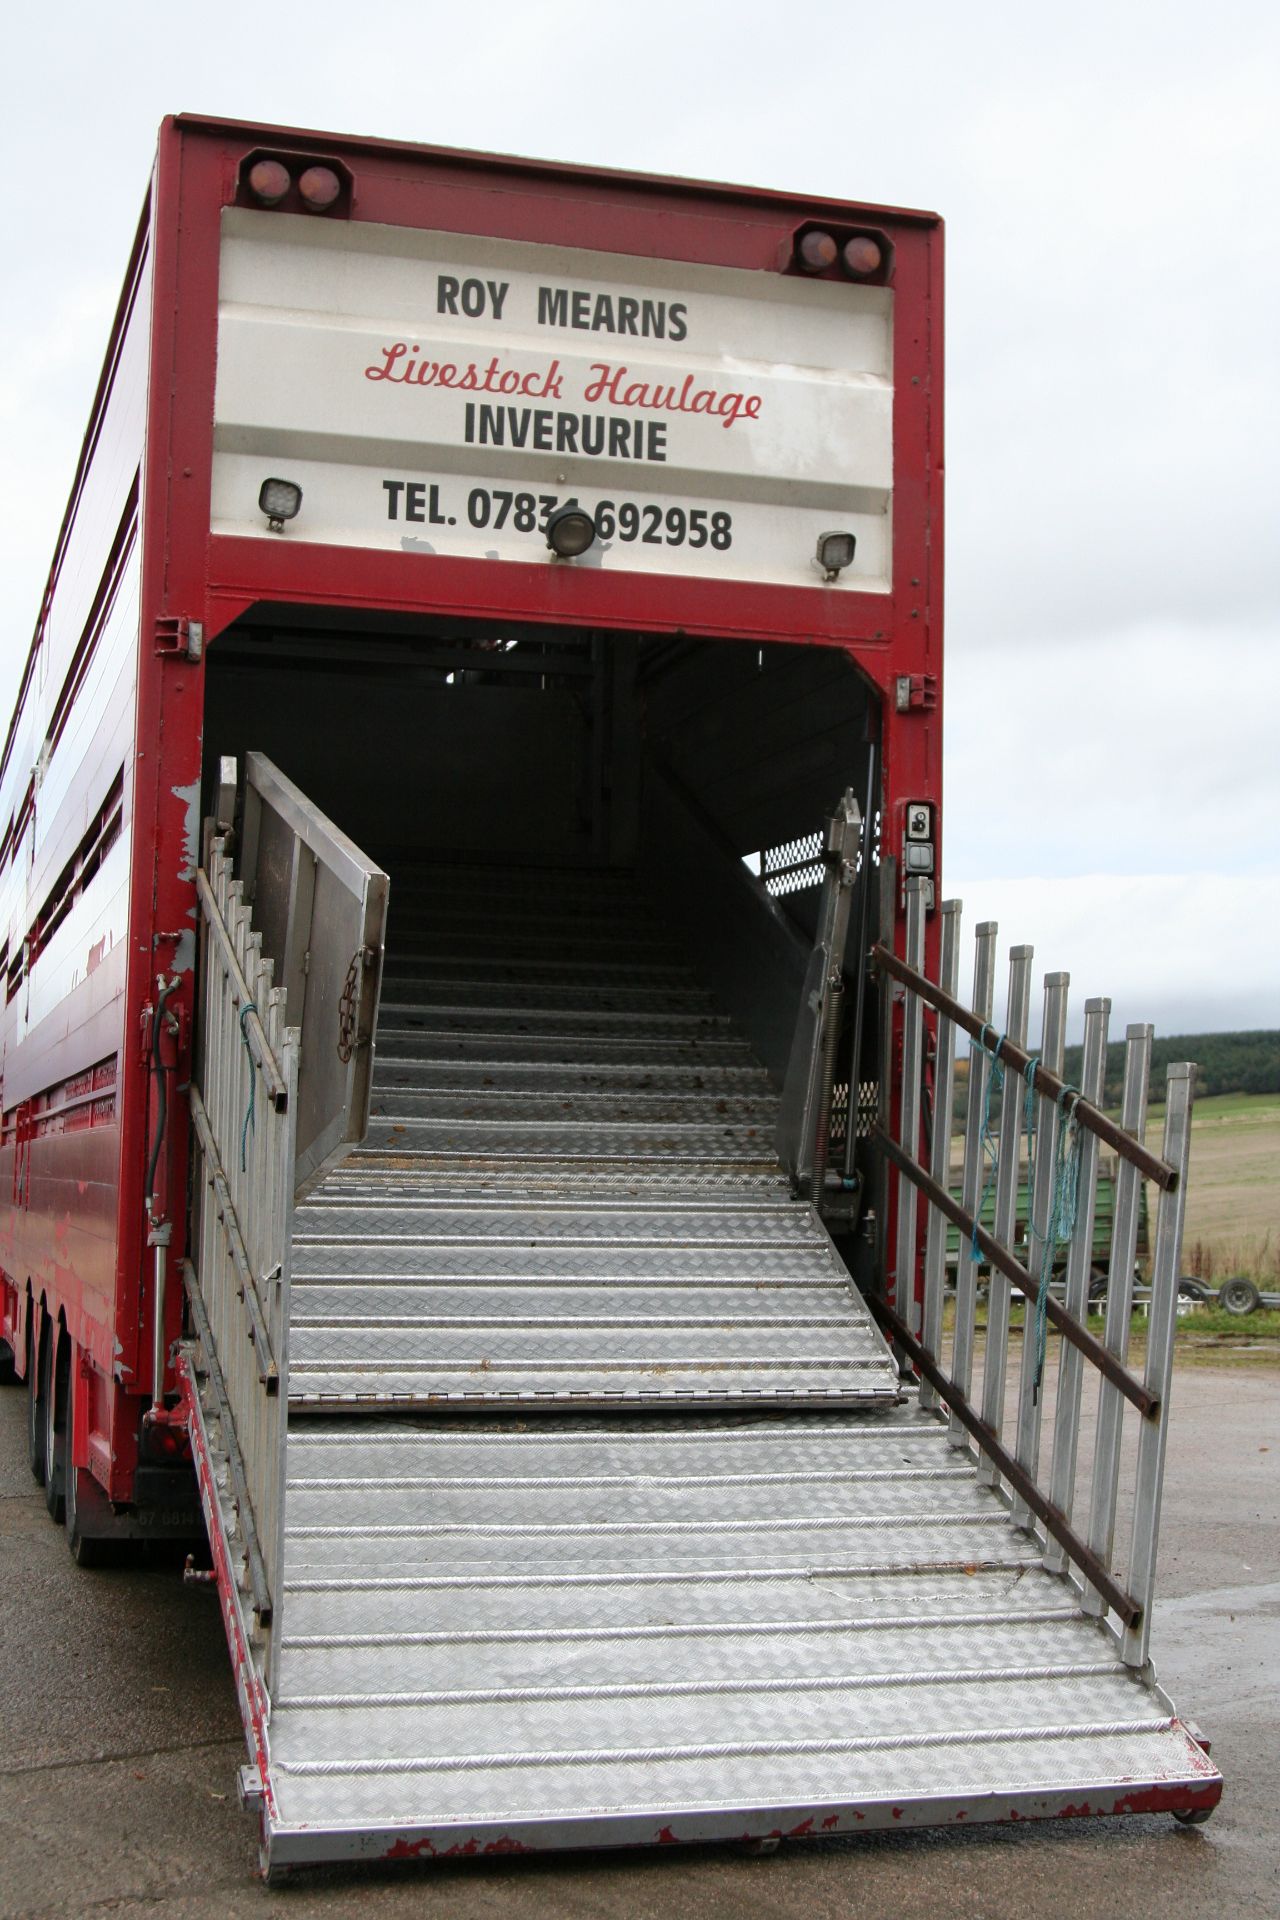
(1233, 1193)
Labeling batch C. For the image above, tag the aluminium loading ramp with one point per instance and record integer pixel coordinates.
(606, 1519)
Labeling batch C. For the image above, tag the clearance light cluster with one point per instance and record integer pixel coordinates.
(294, 182)
(858, 255)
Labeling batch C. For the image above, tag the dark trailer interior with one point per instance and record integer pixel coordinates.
(609, 825)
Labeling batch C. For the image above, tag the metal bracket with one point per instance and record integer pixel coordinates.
(249, 1788)
(915, 690)
(178, 637)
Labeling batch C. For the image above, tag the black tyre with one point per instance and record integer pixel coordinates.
(36, 1335)
(1189, 1288)
(1097, 1286)
(1238, 1295)
(8, 1367)
(55, 1437)
(1194, 1817)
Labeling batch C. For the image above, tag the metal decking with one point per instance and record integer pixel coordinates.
(589, 1634)
(726, 1583)
(568, 1193)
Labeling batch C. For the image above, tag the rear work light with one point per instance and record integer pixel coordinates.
(279, 500)
(835, 552)
(570, 531)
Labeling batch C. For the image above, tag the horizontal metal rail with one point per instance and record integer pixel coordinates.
(250, 1293)
(258, 1581)
(999, 1256)
(1054, 1523)
(251, 1021)
(1045, 1082)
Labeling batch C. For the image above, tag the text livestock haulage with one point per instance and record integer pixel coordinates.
(405, 366)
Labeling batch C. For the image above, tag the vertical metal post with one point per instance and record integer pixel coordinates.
(1124, 1245)
(1159, 1368)
(984, 978)
(806, 1102)
(1066, 1424)
(1053, 1035)
(996, 1354)
(935, 1250)
(904, 1259)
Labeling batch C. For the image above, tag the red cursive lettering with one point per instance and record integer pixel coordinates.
(611, 384)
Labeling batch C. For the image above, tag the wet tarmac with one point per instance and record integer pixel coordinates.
(120, 1739)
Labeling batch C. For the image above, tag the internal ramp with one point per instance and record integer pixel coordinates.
(568, 1192)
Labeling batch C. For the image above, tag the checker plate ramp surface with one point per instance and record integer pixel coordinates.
(589, 1634)
(568, 1193)
(728, 1583)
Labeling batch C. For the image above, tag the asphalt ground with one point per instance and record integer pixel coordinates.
(120, 1737)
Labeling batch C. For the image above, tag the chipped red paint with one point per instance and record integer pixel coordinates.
(666, 1838)
(832, 1820)
(423, 1849)
(801, 1832)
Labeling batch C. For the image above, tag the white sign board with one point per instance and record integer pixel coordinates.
(443, 393)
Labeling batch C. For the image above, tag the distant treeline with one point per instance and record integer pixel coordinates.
(1227, 1062)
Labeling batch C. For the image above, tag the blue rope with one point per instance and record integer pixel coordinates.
(988, 1144)
(250, 1125)
(1030, 1111)
(1061, 1225)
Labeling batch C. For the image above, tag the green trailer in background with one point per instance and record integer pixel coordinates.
(1103, 1224)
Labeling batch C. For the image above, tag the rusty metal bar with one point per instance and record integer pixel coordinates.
(1149, 1164)
(1141, 1397)
(1081, 1555)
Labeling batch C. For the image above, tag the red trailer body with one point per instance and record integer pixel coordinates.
(102, 768)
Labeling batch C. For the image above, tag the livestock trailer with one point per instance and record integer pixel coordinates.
(479, 1028)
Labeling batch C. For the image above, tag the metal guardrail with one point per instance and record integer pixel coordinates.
(1043, 1494)
(244, 1109)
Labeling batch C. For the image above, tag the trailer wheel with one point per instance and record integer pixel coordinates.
(35, 1404)
(8, 1366)
(1238, 1295)
(1194, 1816)
(55, 1422)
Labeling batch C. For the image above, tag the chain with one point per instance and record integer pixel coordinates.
(347, 1009)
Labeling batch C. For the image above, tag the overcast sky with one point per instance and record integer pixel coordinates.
(1110, 180)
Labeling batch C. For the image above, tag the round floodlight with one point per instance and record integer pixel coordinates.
(570, 531)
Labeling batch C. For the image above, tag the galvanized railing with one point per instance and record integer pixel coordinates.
(244, 1112)
(1039, 1464)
